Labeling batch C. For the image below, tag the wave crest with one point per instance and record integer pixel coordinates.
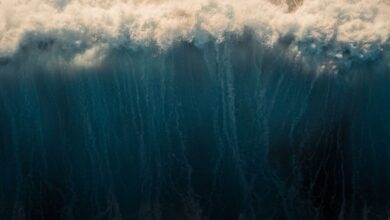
(325, 31)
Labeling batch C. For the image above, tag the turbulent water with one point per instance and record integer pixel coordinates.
(186, 109)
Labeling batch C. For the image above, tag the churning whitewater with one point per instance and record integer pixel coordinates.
(201, 110)
(319, 30)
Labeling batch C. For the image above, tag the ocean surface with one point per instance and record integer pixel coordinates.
(199, 110)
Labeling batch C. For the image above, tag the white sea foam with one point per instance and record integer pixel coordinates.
(317, 27)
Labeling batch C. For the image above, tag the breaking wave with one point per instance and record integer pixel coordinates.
(202, 110)
(326, 32)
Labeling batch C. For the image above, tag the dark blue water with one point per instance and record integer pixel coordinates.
(230, 130)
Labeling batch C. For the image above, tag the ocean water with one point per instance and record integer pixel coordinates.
(211, 110)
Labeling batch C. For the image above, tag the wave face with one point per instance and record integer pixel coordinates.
(194, 110)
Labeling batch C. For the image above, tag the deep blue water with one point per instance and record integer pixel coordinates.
(230, 130)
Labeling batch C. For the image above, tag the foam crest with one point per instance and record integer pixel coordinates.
(317, 28)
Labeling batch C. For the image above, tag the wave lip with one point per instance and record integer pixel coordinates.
(318, 28)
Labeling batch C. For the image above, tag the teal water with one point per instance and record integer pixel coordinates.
(230, 130)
